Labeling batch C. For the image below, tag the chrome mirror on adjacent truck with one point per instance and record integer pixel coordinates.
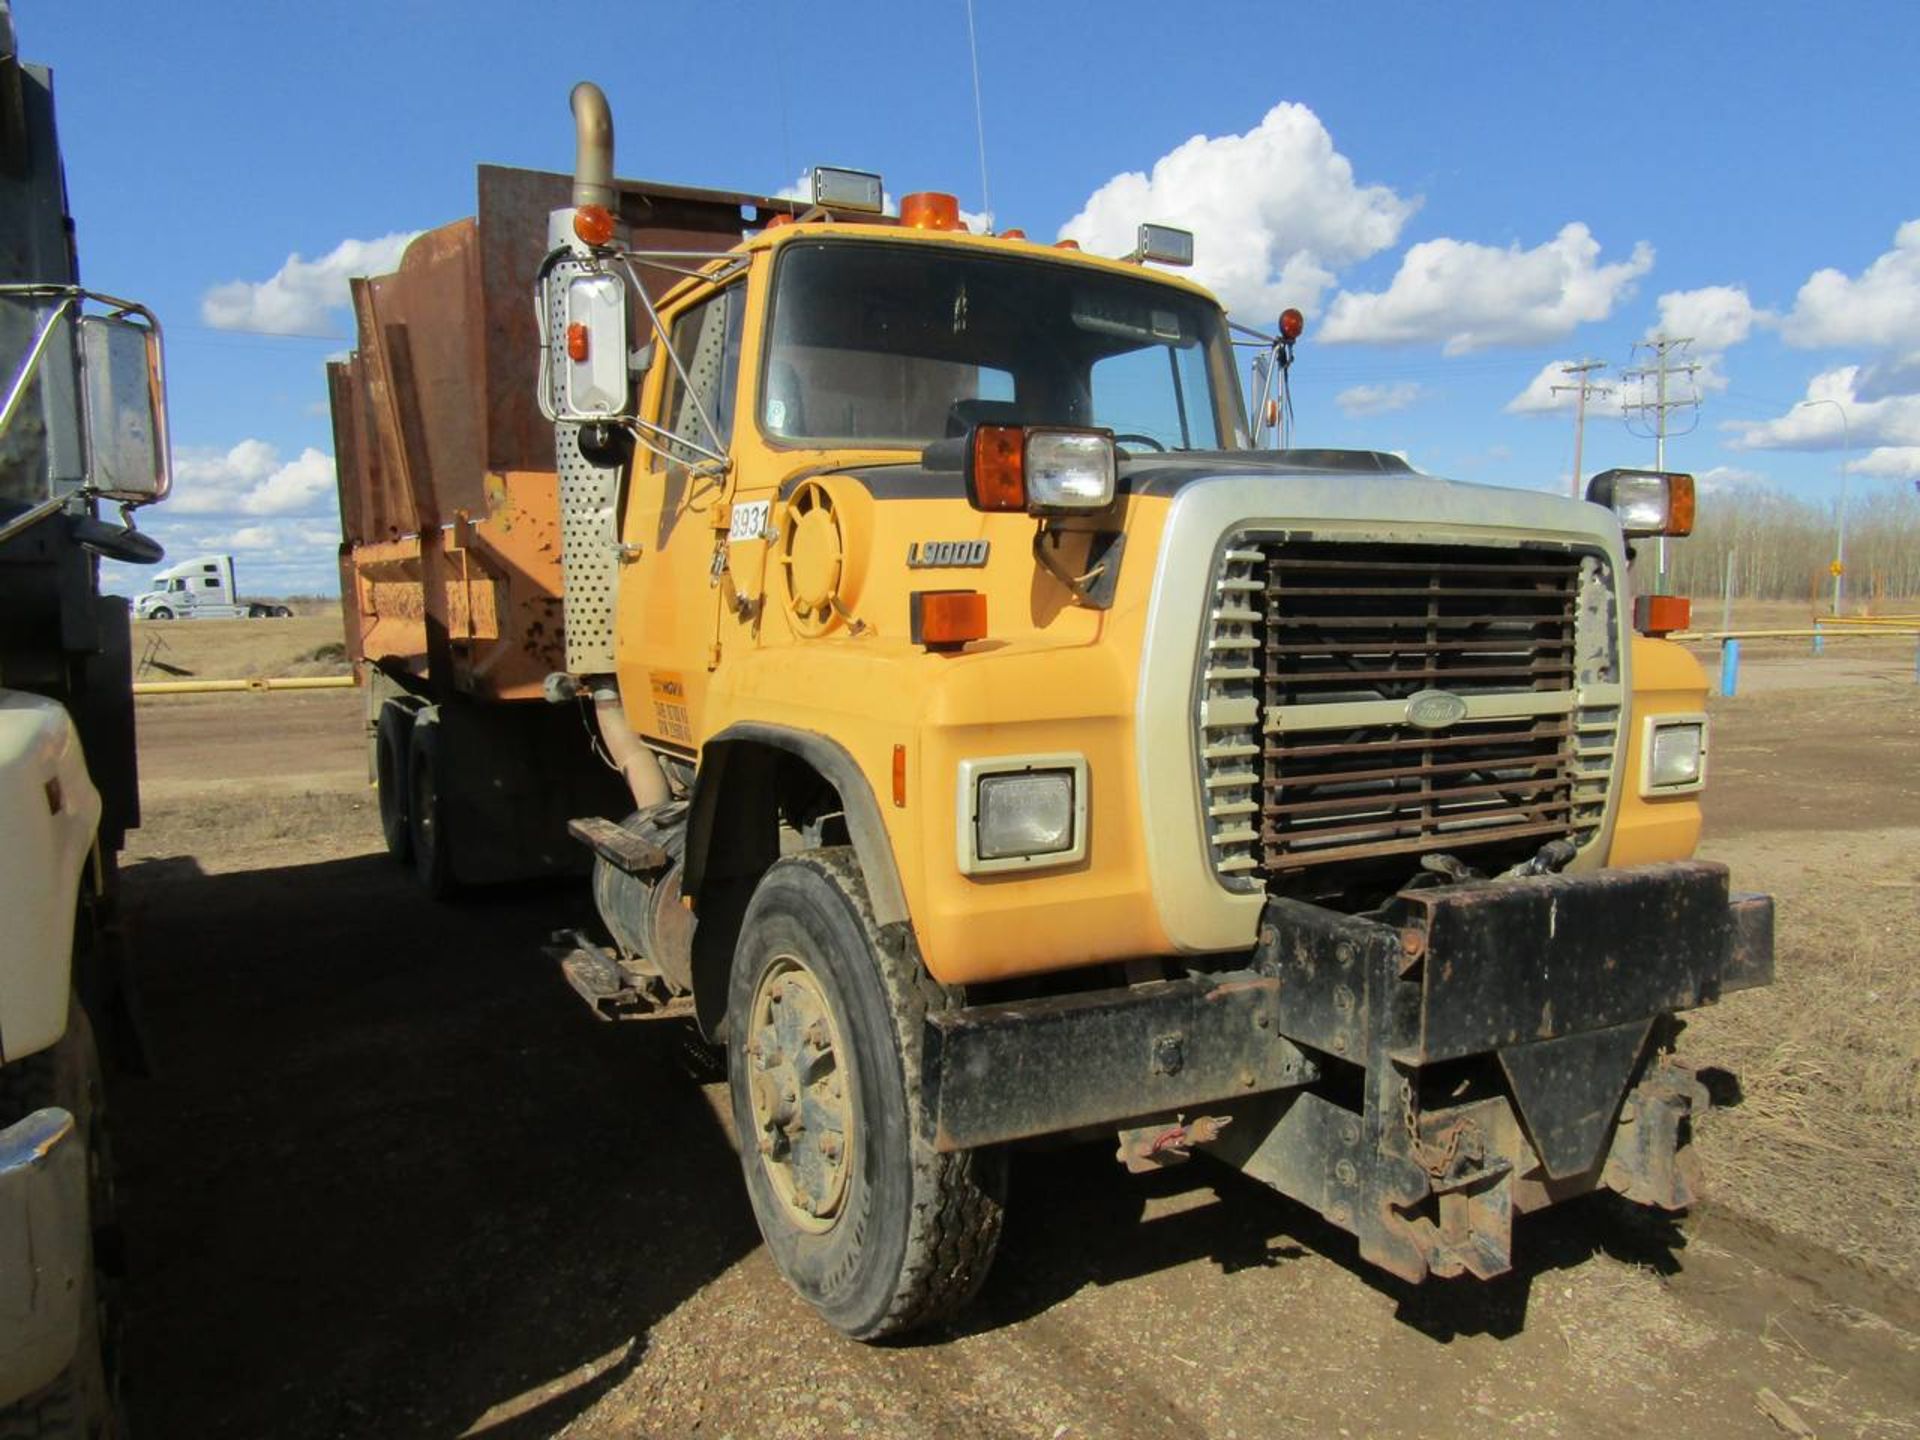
(117, 362)
(123, 389)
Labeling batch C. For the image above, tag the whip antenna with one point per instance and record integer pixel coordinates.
(979, 115)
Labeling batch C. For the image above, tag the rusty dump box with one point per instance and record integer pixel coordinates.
(450, 554)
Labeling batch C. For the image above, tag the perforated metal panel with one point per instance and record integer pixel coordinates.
(589, 526)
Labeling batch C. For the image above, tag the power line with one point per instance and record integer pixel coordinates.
(1653, 413)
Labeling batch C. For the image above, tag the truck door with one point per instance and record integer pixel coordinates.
(675, 524)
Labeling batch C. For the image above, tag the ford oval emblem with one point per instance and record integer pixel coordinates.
(1435, 709)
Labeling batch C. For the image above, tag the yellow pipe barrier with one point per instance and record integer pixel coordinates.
(259, 683)
(1828, 632)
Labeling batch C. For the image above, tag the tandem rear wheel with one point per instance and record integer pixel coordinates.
(408, 766)
(876, 1229)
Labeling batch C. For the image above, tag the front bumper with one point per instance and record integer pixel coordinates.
(43, 1249)
(1416, 1074)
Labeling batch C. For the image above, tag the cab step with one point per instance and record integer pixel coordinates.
(618, 846)
(613, 989)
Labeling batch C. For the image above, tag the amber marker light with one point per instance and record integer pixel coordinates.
(996, 468)
(1661, 614)
(945, 620)
(1292, 322)
(594, 225)
(900, 776)
(930, 210)
(577, 343)
(1680, 505)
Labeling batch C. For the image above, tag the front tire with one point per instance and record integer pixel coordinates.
(876, 1229)
(160, 612)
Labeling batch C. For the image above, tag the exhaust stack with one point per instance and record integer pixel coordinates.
(592, 146)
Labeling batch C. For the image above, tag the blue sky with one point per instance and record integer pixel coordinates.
(1459, 197)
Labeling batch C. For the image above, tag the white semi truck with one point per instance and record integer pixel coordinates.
(201, 589)
(82, 431)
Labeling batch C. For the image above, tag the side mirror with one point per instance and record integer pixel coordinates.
(586, 357)
(123, 384)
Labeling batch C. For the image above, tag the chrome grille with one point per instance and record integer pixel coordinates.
(1347, 634)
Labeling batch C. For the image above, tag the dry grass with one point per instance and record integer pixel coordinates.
(1826, 1142)
(239, 649)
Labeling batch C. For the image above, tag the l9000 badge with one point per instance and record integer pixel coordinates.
(946, 554)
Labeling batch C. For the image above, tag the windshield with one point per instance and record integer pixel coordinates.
(905, 344)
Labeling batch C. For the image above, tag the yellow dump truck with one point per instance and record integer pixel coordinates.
(1005, 746)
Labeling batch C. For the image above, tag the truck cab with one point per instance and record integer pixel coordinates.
(201, 588)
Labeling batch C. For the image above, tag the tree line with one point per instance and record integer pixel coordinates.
(1782, 547)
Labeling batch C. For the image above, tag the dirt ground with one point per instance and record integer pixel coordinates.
(391, 1178)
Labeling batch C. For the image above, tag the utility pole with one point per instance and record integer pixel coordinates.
(1653, 413)
(1582, 387)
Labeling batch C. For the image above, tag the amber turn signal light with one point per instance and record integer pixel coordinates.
(594, 225)
(944, 620)
(997, 468)
(1680, 506)
(1661, 614)
(577, 343)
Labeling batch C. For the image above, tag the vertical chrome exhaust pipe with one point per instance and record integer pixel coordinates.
(592, 146)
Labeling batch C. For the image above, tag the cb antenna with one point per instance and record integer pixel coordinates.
(979, 116)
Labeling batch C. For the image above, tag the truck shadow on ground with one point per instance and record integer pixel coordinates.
(1075, 1218)
(389, 1177)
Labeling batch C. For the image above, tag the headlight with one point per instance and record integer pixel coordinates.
(1648, 502)
(1021, 812)
(1069, 470)
(1674, 760)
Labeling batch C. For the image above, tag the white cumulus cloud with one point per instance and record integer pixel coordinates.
(1468, 296)
(1895, 462)
(1358, 400)
(1891, 421)
(1274, 212)
(1715, 317)
(1879, 307)
(251, 479)
(296, 298)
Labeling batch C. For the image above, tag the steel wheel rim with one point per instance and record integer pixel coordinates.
(799, 1092)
